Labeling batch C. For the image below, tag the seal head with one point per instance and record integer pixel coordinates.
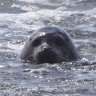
(49, 45)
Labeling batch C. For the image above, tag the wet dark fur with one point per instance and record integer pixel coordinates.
(49, 45)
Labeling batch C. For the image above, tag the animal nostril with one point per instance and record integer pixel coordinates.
(44, 46)
(47, 50)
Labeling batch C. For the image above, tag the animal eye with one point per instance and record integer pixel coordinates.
(58, 41)
(36, 42)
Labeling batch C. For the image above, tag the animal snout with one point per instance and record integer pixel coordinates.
(47, 51)
(47, 55)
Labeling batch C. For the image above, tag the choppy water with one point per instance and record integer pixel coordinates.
(18, 18)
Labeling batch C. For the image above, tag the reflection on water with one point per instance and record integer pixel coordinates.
(18, 19)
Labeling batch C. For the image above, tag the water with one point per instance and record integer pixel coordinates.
(18, 18)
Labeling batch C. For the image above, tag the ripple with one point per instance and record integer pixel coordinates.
(18, 19)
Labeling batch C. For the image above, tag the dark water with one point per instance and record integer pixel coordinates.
(18, 18)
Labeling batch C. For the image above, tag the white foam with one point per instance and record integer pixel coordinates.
(35, 1)
(1, 66)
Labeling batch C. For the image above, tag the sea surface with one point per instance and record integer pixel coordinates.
(18, 19)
